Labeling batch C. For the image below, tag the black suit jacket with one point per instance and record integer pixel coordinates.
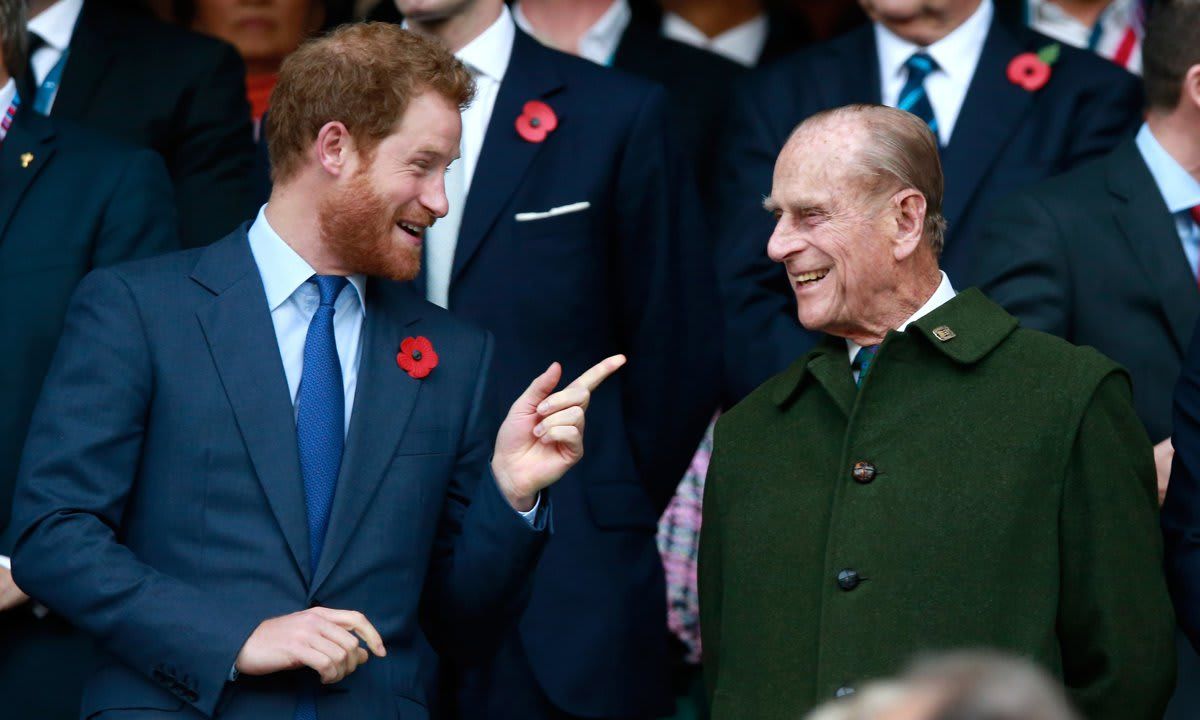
(172, 90)
(1093, 256)
(82, 201)
(1005, 138)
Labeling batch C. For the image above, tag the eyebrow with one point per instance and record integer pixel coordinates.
(770, 205)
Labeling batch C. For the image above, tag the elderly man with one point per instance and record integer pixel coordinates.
(930, 476)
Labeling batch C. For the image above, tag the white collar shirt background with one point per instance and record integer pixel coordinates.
(1106, 38)
(55, 25)
(600, 41)
(957, 56)
(742, 43)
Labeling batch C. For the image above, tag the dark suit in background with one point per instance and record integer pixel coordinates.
(83, 201)
(172, 90)
(1005, 138)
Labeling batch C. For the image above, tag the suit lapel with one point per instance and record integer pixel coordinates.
(849, 74)
(32, 137)
(383, 403)
(241, 338)
(505, 157)
(991, 113)
(92, 47)
(1148, 226)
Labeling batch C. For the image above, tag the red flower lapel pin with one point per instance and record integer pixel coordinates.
(537, 120)
(1031, 71)
(417, 357)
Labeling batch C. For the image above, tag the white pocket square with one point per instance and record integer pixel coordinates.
(553, 212)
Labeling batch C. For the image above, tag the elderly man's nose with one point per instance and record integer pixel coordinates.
(783, 242)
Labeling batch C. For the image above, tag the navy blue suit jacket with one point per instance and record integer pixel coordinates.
(160, 504)
(629, 274)
(1004, 139)
(1181, 509)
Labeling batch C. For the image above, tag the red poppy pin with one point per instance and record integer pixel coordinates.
(537, 120)
(417, 357)
(1031, 71)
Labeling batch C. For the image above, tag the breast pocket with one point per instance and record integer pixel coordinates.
(427, 441)
(554, 234)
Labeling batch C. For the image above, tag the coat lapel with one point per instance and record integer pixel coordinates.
(505, 157)
(92, 47)
(1147, 225)
(32, 137)
(241, 338)
(383, 403)
(829, 365)
(991, 113)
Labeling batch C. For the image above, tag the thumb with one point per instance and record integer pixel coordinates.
(539, 389)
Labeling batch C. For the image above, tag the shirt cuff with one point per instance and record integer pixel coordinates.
(233, 673)
(6, 561)
(532, 514)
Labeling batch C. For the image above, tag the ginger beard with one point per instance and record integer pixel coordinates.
(355, 221)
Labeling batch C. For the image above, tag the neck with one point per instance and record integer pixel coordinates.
(714, 17)
(563, 23)
(1086, 12)
(37, 7)
(903, 301)
(1176, 132)
(931, 28)
(296, 218)
(458, 30)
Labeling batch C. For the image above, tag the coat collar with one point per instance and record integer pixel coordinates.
(979, 326)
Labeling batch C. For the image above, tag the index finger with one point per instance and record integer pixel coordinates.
(598, 373)
(359, 625)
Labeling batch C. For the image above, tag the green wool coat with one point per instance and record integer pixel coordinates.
(1012, 506)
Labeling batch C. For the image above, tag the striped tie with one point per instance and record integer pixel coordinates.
(913, 97)
(864, 361)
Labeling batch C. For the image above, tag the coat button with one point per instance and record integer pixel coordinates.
(863, 472)
(844, 691)
(848, 579)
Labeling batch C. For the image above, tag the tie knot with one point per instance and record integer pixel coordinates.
(330, 287)
(919, 65)
(864, 357)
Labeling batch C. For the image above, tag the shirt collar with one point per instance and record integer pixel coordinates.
(1122, 11)
(282, 269)
(600, 41)
(7, 93)
(944, 294)
(56, 24)
(964, 42)
(489, 53)
(1178, 187)
(741, 43)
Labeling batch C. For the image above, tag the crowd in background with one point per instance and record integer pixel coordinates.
(1062, 206)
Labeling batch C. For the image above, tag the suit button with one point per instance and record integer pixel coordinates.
(863, 472)
(844, 691)
(848, 579)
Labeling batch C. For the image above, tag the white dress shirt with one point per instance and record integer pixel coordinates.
(487, 58)
(944, 294)
(742, 43)
(957, 56)
(599, 42)
(56, 25)
(1104, 38)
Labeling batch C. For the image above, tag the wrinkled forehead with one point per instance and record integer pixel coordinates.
(819, 161)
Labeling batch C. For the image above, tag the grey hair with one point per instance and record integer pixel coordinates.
(901, 152)
(12, 35)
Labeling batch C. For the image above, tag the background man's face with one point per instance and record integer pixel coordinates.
(920, 21)
(377, 216)
(426, 11)
(831, 235)
(263, 31)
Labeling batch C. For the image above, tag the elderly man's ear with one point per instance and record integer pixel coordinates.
(909, 207)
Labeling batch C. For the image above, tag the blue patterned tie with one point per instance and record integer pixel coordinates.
(320, 432)
(863, 362)
(913, 97)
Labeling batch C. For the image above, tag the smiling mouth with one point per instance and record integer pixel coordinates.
(415, 231)
(811, 278)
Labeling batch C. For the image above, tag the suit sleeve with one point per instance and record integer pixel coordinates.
(667, 304)
(485, 551)
(1107, 112)
(1024, 265)
(212, 162)
(80, 464)
(1116, 628)
(140, 219)
(762, 332)
(1181, 508)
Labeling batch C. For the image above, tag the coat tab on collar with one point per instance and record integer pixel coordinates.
(966, 328)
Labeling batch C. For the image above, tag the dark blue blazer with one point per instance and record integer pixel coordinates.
(1181, 509)
(630, 274)
(160, 504)
(1004, 139)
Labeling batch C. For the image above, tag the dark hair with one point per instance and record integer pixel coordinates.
(12, 35)
(1171, 47)
(337, 12)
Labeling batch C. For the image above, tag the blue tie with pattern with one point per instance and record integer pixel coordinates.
(913, 97)
(320, 431)
(863, 362)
